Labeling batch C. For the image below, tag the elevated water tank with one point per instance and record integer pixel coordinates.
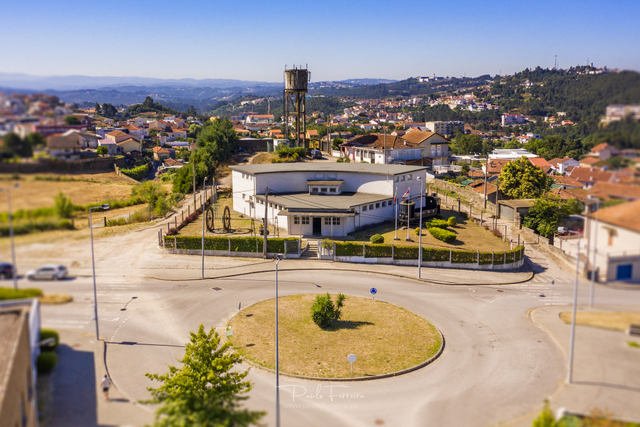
(296, 79)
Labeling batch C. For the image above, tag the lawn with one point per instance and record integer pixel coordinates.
(385, 338)
(618, 321)
(471, 236)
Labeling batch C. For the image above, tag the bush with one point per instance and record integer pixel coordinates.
(378, 251)
(324, 312)
(49, 333)
(10, 293)
(437, 223)
(406, 252)
(63, 206)
(46, 362)
(348, 249)
(466, 257)
(137, 173)
(377, 238)
(435, 254)
(442, 234)
(451, 222)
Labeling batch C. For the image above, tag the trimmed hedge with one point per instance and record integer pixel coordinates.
(463, 257)
(137, 173)
(238, 244)
(378, 251)
(49, 333)
(46, 362)
(10, 293)
(435, 254)
(437, 223)
(44, 224)
(348, 249)
(442, 234)
(452, 221)
(485, 257)
(406, 252)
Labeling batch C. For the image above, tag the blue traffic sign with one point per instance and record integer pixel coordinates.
(373, 291)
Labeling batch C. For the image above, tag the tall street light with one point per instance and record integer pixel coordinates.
(575, 302)
(278, 259)
(595, 251)
(93, 268)
(420, 233)
(13, 250)
(204, 185)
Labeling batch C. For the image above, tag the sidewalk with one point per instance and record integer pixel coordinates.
(77, 399)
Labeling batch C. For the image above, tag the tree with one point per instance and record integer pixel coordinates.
(219, 139)
(13, 146)
(204, 390)
(521, 179)
(547, 212)
(71, 120)
(191, 111)
(97, 108)
(35, 140)
(101, 150)
(546, 418)
(324, 312)
(195, 129)
(63, 206)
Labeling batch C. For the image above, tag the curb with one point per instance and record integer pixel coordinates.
(372, 377)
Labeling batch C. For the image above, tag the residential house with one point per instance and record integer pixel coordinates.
(128, 145)
(589, 162)
(118, 136)
(161, 153)
(560, 165)
(512, 119)
(541, 163)
(566, 182)
(615, 191)
(590, 176)
(138, 131)
(494, 166)
(445, 127)
(603, 151)
(260, 119)
(112, 147)
(312, 134)
(64, 147)
(435, 147)
(510, 153)
(381, 149)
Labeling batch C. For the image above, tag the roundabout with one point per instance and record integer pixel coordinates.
(386, 339)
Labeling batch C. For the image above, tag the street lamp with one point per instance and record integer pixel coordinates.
(278, 259)
(93, 267)
(595, 251)
(575, 302)
(13, 250)
(420, 233)
(204, 185)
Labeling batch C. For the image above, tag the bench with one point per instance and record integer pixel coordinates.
(633, 330)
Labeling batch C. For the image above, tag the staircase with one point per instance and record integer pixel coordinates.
(311, 252)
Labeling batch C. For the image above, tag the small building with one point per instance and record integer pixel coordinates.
(128, 145)
(64, 146)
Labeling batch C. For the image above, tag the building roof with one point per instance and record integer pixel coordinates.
(539, 161)
(625, 215)
(379, 140)
(305, 202)
(589, 161)
(375, 169)
(496, 165)
(601, 147)
(610, 190)
(161, 150)
(418, 136)
(518, 203)
(124, 141)
(567, 180)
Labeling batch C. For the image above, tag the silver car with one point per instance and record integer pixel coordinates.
(48, 272)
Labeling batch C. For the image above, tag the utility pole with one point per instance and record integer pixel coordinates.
(193, 163)
(265, 230)
(486, 169)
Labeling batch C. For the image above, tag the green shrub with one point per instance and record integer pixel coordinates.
(238, 244)
(30, 226)
(437, 223)
(461, 256)
(323, 310)
(10, 293)
(486, 257)
(63, 206)
(377, 238)
(378, 251)
(442, 234)
(49, 333)
(46, 362)
(406, 252)
(435, 254)
(137, 173)
(348, 249)
(451, 222)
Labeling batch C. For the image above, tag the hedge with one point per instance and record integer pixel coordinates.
(10, 293)
(438, 223)
(46, 362)
(49, 333)
(378, 251)
(45, 224)
(377, 239)
(435, 254)
(137, 173)
(348, 249)
(486, 257)
(464, 257)
(442, 234)
(238, 244)
(406, 252)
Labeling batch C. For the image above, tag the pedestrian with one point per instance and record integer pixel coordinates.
(105, 384)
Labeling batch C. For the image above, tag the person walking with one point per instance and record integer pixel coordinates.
(105, 384)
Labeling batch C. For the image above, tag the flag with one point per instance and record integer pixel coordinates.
(405, 194)
(395, 197)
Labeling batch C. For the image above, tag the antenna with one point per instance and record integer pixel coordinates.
(555, 65)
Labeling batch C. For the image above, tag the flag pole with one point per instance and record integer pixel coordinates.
(408, 219)
(395, 202)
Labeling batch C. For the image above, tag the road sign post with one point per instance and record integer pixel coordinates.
(352, 358)
(373, 291)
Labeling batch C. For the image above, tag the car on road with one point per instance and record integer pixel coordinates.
(48, 272)
(6, 271)
(316, 154)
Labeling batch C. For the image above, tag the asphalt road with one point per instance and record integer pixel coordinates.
(496, 366)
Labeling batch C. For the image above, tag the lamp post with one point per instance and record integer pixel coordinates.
(420, 233)
(575, 302)
(204, 185)
(93, 268)
(595, 251)
(13, 250)
(278, 259)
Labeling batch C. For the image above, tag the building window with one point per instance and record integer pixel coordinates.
(332, 190)
(371, 207)
(314, 189)
(323, 190)
(327, 221)
(305, 220)
(336, 221)
(384, 203)
(243, 196)
(364, 208)
(396, 179)
(296, 220)
(402, 178)
(378, 205)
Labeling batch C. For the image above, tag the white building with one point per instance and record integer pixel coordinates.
(512, 119)
(445, 128)
(381, 149)
(510, 153)
(324, 199)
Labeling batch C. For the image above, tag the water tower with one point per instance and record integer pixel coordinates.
(295, 91)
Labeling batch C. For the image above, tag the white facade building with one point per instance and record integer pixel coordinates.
(324, 199)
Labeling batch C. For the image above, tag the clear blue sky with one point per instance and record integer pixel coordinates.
(253, 40)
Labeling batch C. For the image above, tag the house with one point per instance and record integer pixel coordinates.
(380, 148)
(112, 147)
(117, 136)
(260, 119)
(324, 199)
(617, 232)
(494, 166)
(434, 146)
(161, 153)
(603, 151)
(566, 182)
(541, 163)
(588, 162)
(64, 147)
(512, 119)
(128, 145)
(560, 165)
(312, 134)
(367, 126)
(138, 131)
(615, 191)
(510, 153)
(445, 128)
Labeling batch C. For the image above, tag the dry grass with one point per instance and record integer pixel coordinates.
(90, 188)
(263, 158)
(385, 338)
(619, 321)
(55, 299)
(470, 235)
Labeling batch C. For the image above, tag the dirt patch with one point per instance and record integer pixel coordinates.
(384, 338)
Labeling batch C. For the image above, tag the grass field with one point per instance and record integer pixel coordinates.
(385, 338)
(470, 235)
(619, 321)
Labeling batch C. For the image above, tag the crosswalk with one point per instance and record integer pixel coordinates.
(551, 290)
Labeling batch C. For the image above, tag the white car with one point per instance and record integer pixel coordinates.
(48, 272)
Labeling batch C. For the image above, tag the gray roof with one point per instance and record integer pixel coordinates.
(320, 203)
(328, 167)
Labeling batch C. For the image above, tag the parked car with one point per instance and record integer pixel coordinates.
(6, 271)
(48, 272)
(316, 154)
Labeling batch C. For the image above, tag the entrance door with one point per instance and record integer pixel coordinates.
(623, 273)
(317, 226)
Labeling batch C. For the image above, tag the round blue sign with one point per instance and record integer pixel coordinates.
(373, 291)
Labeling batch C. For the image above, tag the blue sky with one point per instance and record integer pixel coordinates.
(254, 40)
